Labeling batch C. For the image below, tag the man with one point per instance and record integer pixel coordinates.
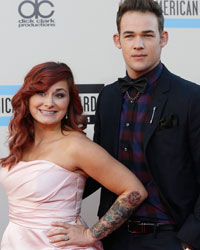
(150, 121)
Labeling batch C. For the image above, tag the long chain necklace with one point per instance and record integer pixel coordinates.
(133, 99)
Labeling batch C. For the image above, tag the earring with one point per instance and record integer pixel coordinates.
(66, 116)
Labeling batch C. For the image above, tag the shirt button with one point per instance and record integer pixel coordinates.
(127, 124)
(125, 149)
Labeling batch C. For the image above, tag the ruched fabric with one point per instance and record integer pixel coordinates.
(39, 193)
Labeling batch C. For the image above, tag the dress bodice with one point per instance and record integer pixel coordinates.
(41, 189)
(40, 192)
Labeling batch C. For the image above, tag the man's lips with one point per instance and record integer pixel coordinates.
(139, 56)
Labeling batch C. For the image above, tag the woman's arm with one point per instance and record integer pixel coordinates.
(119, 212)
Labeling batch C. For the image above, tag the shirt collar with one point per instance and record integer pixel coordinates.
(153, 75)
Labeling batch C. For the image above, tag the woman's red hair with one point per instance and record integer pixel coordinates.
(21, 127)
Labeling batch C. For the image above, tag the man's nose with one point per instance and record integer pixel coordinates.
(138, 43)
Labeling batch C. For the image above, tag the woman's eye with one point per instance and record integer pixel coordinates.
(42, 93)
(60, 95)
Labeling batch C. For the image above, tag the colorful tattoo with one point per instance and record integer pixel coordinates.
(116, 215)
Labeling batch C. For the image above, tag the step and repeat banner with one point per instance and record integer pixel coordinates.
(79, 33)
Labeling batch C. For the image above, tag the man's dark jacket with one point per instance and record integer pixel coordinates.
(171, 146)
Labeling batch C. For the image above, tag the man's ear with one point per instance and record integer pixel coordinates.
(163, 39)
(116, 40)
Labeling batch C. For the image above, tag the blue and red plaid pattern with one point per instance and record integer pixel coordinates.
(131, 153)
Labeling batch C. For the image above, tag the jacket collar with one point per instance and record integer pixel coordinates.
(159, 100)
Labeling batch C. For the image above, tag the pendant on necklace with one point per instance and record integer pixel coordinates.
(135, 98)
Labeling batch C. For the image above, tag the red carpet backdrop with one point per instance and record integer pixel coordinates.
(79, 33)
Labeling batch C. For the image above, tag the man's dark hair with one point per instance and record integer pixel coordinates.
(142, 6)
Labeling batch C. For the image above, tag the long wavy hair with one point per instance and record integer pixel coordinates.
(21, 128)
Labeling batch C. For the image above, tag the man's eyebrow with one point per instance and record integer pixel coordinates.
(128, 32)
(133, 32)
(148, 31)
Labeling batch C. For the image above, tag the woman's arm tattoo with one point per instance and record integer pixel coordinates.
(119, 212)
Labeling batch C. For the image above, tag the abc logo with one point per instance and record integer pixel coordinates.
(30, 9)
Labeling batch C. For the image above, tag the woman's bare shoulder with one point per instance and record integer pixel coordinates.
(75, 138)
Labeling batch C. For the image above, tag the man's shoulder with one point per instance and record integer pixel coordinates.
(110, 88)
(180, 82)
(110, 94)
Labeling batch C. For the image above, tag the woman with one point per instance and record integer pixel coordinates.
(49, 161)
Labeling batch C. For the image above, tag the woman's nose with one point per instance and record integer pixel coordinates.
(49, 102)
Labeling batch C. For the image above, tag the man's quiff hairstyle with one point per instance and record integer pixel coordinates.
(142, 6)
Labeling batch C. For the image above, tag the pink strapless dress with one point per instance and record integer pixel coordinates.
(40, 192)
